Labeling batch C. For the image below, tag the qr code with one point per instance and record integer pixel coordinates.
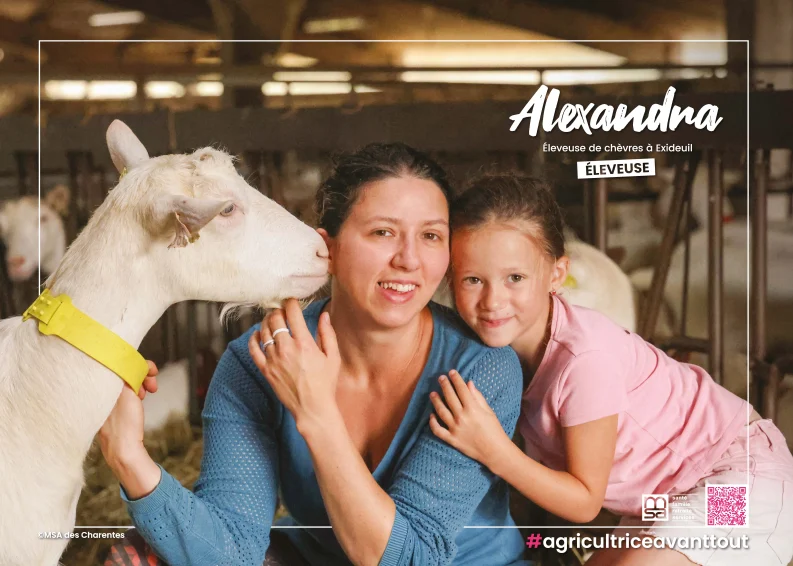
(727, 505)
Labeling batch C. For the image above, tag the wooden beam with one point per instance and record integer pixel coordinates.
(566, 23)
(276, 19)
(231, 24)
(255, 72)
(637, 12)
(740, 25)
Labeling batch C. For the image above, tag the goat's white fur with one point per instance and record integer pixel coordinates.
(600, 284)
(119, 271)
(172, 397)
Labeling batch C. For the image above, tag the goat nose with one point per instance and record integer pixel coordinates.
(16, 261)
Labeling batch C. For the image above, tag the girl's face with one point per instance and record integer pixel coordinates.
(392, 251)
(501, 279)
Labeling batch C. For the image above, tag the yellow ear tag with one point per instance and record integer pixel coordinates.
(123, 172)
(570, 282)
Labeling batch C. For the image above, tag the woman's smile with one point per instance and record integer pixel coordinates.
(397, 291)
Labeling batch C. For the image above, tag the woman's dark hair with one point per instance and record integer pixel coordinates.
(509, 196)
(373, 162)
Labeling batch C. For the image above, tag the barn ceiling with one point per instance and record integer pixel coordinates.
(289, 23)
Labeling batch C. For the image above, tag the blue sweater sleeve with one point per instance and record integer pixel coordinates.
(227, 519)
(437, 489)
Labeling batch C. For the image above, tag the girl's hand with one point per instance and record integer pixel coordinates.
(122, 433)
(303, 373)
(471, 425)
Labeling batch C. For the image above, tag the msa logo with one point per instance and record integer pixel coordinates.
(655, 507)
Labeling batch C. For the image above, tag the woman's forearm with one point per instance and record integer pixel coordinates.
(138, 474)
(561, 493)
(362, 514)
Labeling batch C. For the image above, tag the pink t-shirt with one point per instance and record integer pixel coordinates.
(674, 420)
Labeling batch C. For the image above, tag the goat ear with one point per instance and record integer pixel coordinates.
(125, 148)
(188, 215)
(58, 199)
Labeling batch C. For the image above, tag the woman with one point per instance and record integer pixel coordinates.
(340, 426)
(607, 417)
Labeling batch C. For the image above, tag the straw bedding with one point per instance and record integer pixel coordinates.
(177, 447)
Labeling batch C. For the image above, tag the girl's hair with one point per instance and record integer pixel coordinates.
(509, 196)
(374, 162)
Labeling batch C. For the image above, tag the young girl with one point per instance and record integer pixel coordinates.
(606, 417)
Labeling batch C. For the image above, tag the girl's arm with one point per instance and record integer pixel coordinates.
(576, 494)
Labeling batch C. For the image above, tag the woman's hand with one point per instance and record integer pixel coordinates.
(471, 425)
(122, 432)
(121, 439)
(303, 373)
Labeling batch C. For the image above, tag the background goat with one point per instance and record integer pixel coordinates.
(19, 229)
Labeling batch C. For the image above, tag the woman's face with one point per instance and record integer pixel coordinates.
(501, 279)
(392, 250)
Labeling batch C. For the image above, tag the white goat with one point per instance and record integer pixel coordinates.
(127, 266)
(19, 229)
(632, 233)
(596, 282)
(599, 284)
(172, 398)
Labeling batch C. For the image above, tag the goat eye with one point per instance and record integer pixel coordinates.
(228, 210)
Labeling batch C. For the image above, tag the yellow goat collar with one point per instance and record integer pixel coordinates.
(57, 316)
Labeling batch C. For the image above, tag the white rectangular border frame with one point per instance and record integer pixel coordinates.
(749, 183)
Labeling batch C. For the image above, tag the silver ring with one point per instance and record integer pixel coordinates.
(277, 330)
(264, 345)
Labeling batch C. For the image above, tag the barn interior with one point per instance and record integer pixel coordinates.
(284, 86)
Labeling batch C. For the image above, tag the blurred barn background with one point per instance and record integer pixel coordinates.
(442, 75)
